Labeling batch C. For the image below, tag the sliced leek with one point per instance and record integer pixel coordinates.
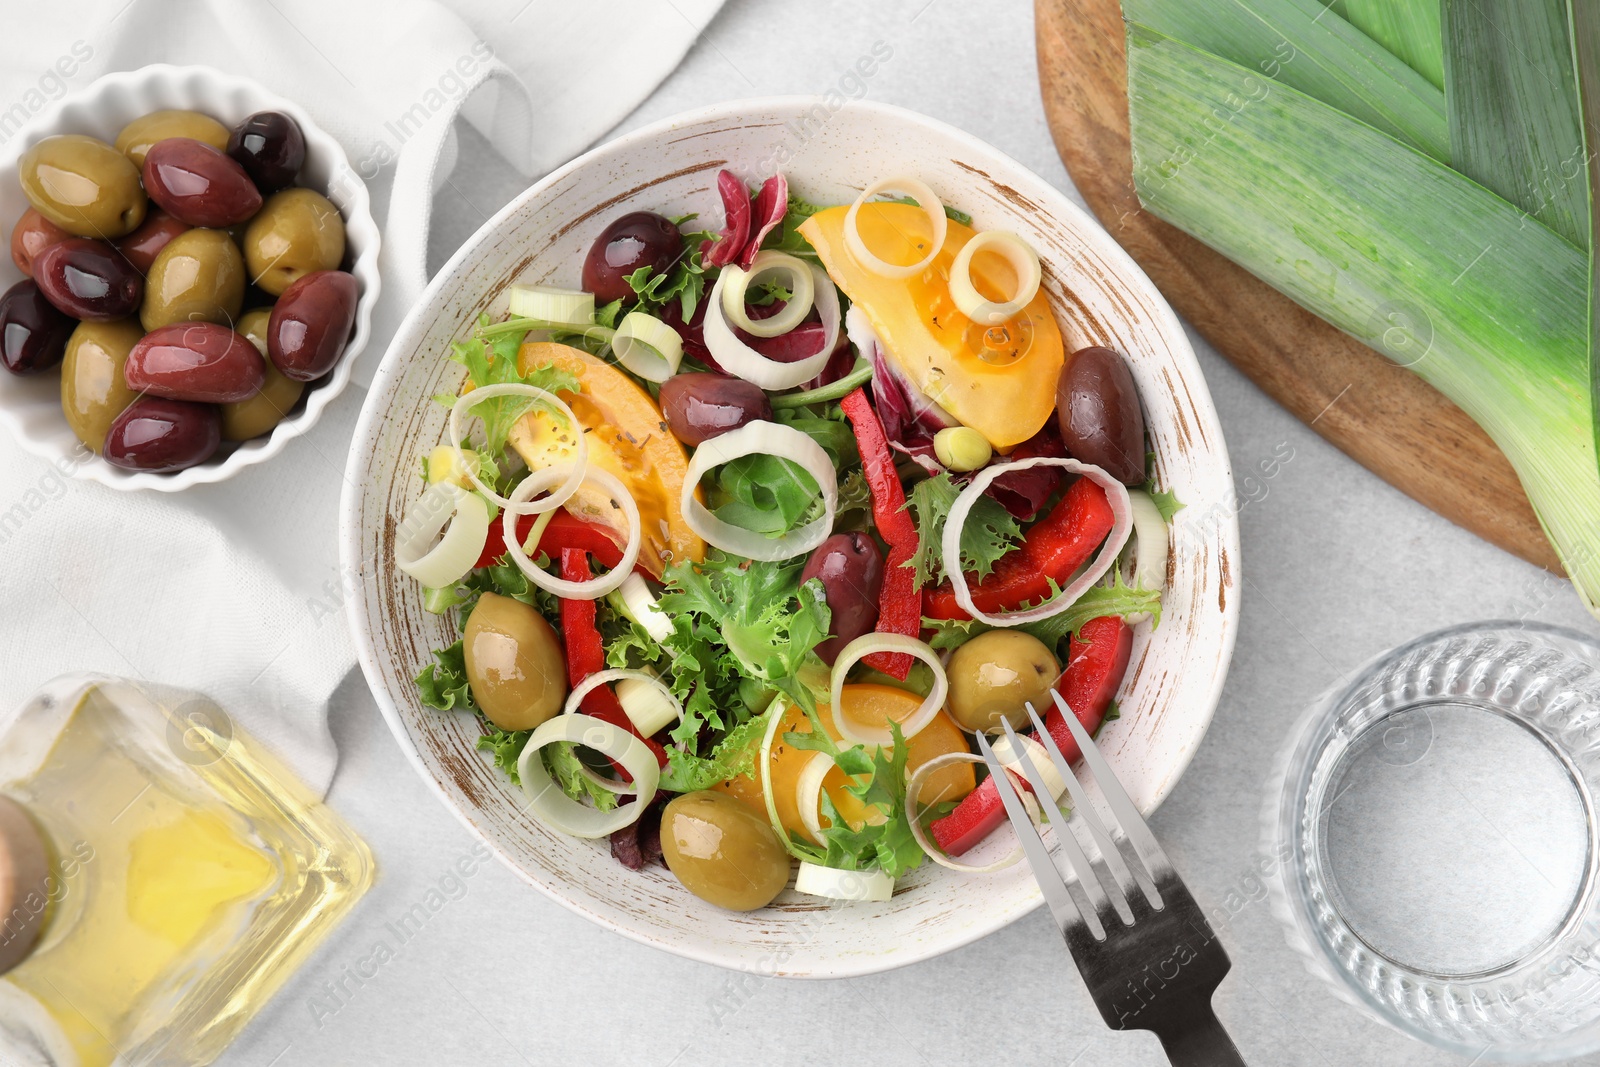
(566, 307)
(463, 518)
(647, 346)
(1024, 263)
(802, 293)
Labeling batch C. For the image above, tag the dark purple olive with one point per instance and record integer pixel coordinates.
(638, 239)
(1097, 408)
(33, 332)
(89, 280)
(311, 322)
(271, 149)
(195, 183)
(157, 434)
(699, 406)
(198, 361)
(851, 568)
(142, 246)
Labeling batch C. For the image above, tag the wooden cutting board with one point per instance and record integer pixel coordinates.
(1384, 417)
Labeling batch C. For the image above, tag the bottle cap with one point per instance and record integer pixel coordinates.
(24, 883)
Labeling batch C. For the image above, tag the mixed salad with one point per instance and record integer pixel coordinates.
(746, 536)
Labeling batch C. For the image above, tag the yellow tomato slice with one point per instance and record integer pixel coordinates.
(627, 437)
(870, 705)
(999, 380)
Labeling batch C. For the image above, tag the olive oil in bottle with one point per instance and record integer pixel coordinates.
(160, 876)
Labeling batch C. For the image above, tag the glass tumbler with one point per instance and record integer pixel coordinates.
(1434, 821)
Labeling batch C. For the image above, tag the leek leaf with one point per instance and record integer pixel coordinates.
(1390, 246)
(1302, 44)
(1513, 97)
(1584, 30)
(1408, 28)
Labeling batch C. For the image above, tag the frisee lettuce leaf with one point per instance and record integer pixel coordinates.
(561, 760)
(1118, 598)
(734, 755)
(1166, 501)
(990, 531)
(493, 361)
(879, 781)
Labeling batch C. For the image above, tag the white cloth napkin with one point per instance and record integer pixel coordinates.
(233, 589)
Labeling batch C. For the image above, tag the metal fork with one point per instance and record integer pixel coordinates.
(1145, 950)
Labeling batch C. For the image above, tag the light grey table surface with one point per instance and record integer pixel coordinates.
(1337, 567)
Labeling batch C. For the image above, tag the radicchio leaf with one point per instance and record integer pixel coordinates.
(736, 229)
(1024, 493)
(771, 204)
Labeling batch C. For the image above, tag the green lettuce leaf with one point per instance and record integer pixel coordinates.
(990, 531)
(493, 361)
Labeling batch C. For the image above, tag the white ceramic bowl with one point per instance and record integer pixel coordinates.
(1099, 296)
(30, 407)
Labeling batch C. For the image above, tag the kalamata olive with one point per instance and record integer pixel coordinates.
(199, 185)
(638, 239)
(851, 568)
(311, 322)
(296, 232)
(89, 280)
(157, 434)
(700, 405)
(33, 234)
(1097, 408)
(83, 185)
(256, 415)
(270, 147)
(197, 277)
(198, 361)
(138, 136)
(722, 851)
(142, 246)
(515, 667)
(995, 674)
(33, 332)
(93, 390)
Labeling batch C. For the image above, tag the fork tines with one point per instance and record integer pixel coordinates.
(1136, 934)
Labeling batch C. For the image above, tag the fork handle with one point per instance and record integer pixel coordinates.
(1198, 1040)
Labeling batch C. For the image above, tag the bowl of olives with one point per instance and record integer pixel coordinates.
(604, 218)
(192, 271)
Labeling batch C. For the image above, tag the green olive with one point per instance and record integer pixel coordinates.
(722, 851)
(296, 232)
(993, 675)
(83, 185)
(93, 392)
(198, 277)
(137, 136)
(515, 668)
(277, 397)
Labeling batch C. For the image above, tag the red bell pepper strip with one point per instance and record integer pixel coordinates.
(899, 606)
(586, 653)
(1052, 550)
(563, 531)
(1096, 661)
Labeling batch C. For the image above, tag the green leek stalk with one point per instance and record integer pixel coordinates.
(1513, 107)
(1394, 248)
(1303, 45)
(1408, 28)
